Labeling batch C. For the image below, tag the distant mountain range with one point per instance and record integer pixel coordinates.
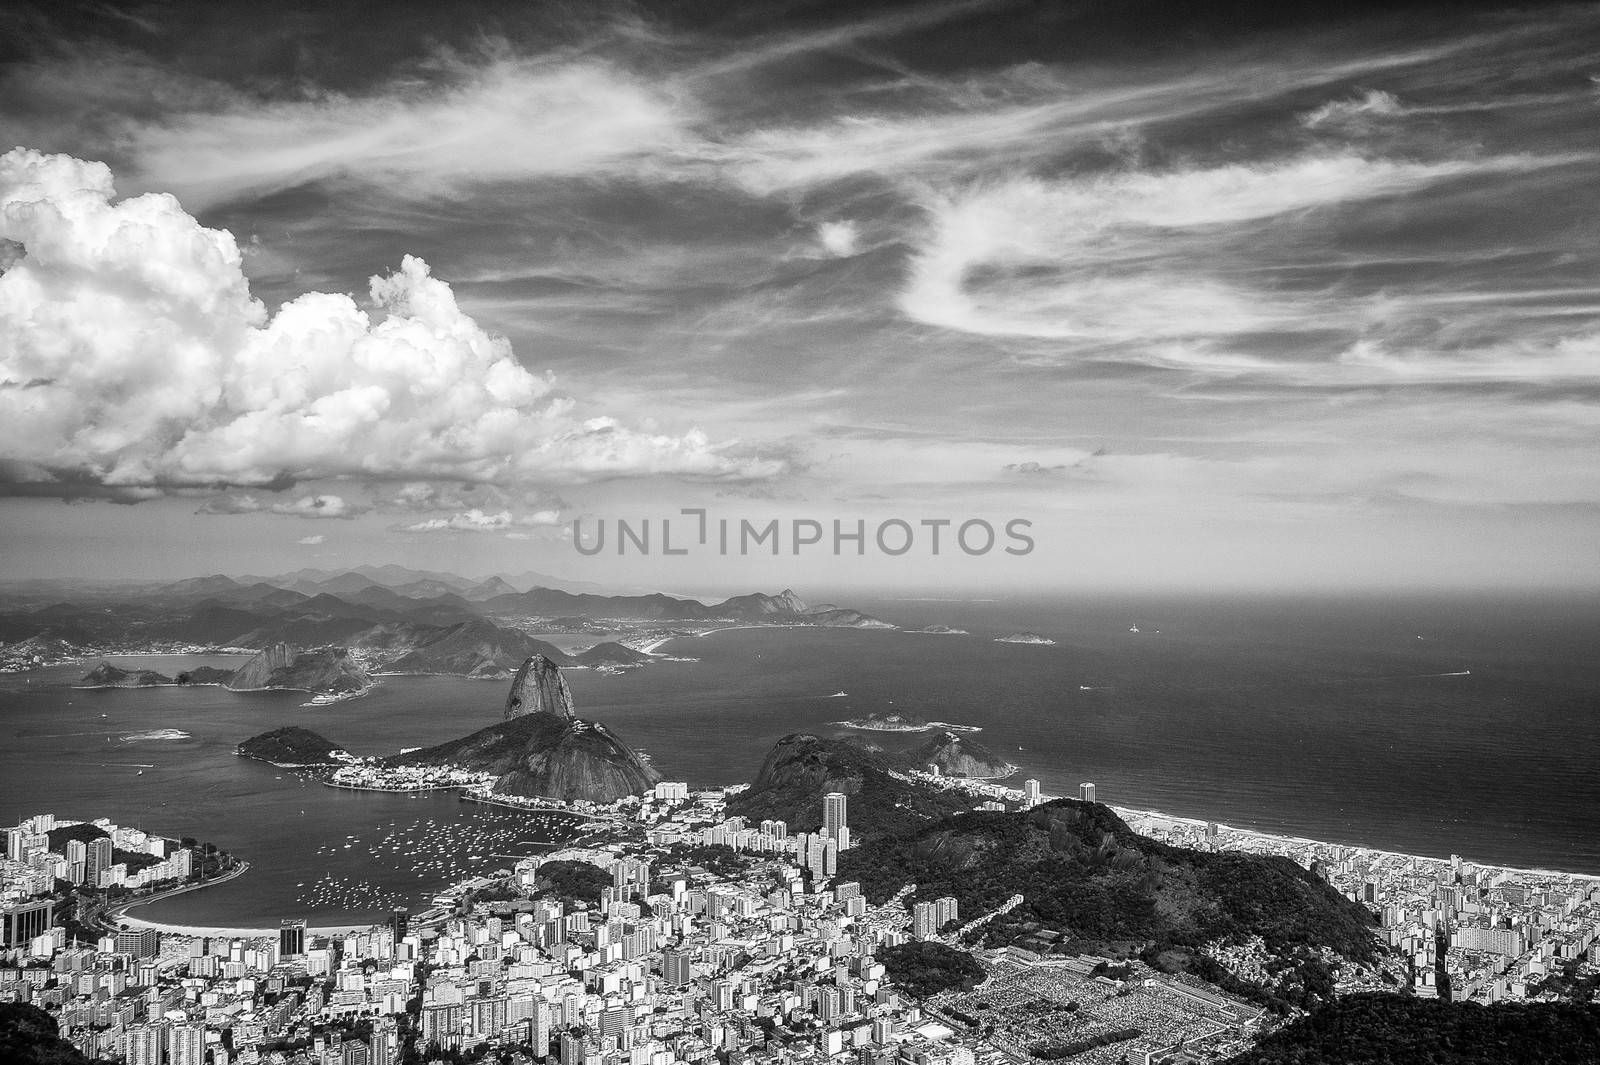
(402, 620)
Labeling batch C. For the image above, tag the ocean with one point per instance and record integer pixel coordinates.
(1430, 726)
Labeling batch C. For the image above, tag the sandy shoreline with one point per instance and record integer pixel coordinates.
(221, 932)
(650, 648)
(1126, 812)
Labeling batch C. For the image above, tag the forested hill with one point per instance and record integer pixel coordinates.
(1098, 886)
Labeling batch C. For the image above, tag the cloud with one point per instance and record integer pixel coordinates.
(476, 520)
(1132, 256)
(315, 506)
(138, 357)
(1374, 103)
(321, 506)
(311, 541)
(1365, 112)
(1035, 469)
(838, 238)
(507, 119)
(786, 46)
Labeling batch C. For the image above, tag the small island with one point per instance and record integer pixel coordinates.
(888, 723)
(292, 747)
(1026, 637)
(106, 675)
(942, 630)
(902, 723)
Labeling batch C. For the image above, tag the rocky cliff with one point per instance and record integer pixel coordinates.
(542, 749)
(955, 757)
(281, 665)
(585, 761)
(539, 688)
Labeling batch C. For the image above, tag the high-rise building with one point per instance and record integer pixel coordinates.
(834, 822)
(539, 1029)
(186, 1045)
(385, 1042)
(677, 968)
(25, 921)
(818, 853)
(97, 859)
(77, 861)
(146, 1044)
(1030, 793)
(1086, 792)
(139, 943)
(399, 923)
(925, 920)
(292, 939)
(828, 1005)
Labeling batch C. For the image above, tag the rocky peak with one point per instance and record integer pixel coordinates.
(788, 601)
(539, 688)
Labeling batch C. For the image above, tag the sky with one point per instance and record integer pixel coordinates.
(1232, 296)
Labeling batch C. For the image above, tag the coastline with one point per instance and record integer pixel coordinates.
(122, 916)
(198, 931)
(119, 915)
(1127, 812)
(649, 647)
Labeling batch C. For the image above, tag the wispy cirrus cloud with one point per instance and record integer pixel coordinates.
(1134, 255)
(508, 118)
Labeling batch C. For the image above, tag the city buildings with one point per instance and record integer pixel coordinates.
(712, 941)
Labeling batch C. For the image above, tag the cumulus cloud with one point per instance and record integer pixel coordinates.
(311, 541)
(1126, 257)
(136, 357)
(839, 238)
(476, 520)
